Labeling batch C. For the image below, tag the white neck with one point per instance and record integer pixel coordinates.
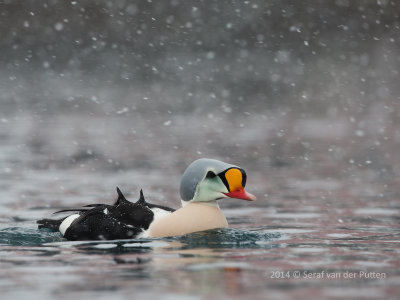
(212, 203)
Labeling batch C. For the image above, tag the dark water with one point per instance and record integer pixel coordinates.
(325, 225)
(288, 257)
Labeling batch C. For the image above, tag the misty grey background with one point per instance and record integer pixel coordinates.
(198, 55)
(130, 85)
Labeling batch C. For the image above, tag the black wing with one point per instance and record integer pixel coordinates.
(96, 225)
(49, 223)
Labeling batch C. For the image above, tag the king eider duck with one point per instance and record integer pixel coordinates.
(203, 183)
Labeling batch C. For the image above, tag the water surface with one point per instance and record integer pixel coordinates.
(326, 229)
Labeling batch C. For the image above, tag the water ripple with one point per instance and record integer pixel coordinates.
(21, 236)
(216, 239)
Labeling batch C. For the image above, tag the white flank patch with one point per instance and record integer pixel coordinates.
(144, 234)
(66, 223)
(105, 211)
(159, 213)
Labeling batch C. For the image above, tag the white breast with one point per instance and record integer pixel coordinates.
(192, 217)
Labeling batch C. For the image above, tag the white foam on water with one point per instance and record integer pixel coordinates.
(218, 265)
(371, 264)
(376, 211)
(155, 244)
(338, 235)
(105, 246)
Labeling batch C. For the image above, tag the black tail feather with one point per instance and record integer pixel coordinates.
(93, 205)
(71, 209)
(49, 223)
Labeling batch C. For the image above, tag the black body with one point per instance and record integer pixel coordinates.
(122, 220)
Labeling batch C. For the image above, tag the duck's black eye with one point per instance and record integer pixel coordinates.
(210, 174)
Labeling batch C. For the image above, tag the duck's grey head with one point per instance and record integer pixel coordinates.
(208, 180)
